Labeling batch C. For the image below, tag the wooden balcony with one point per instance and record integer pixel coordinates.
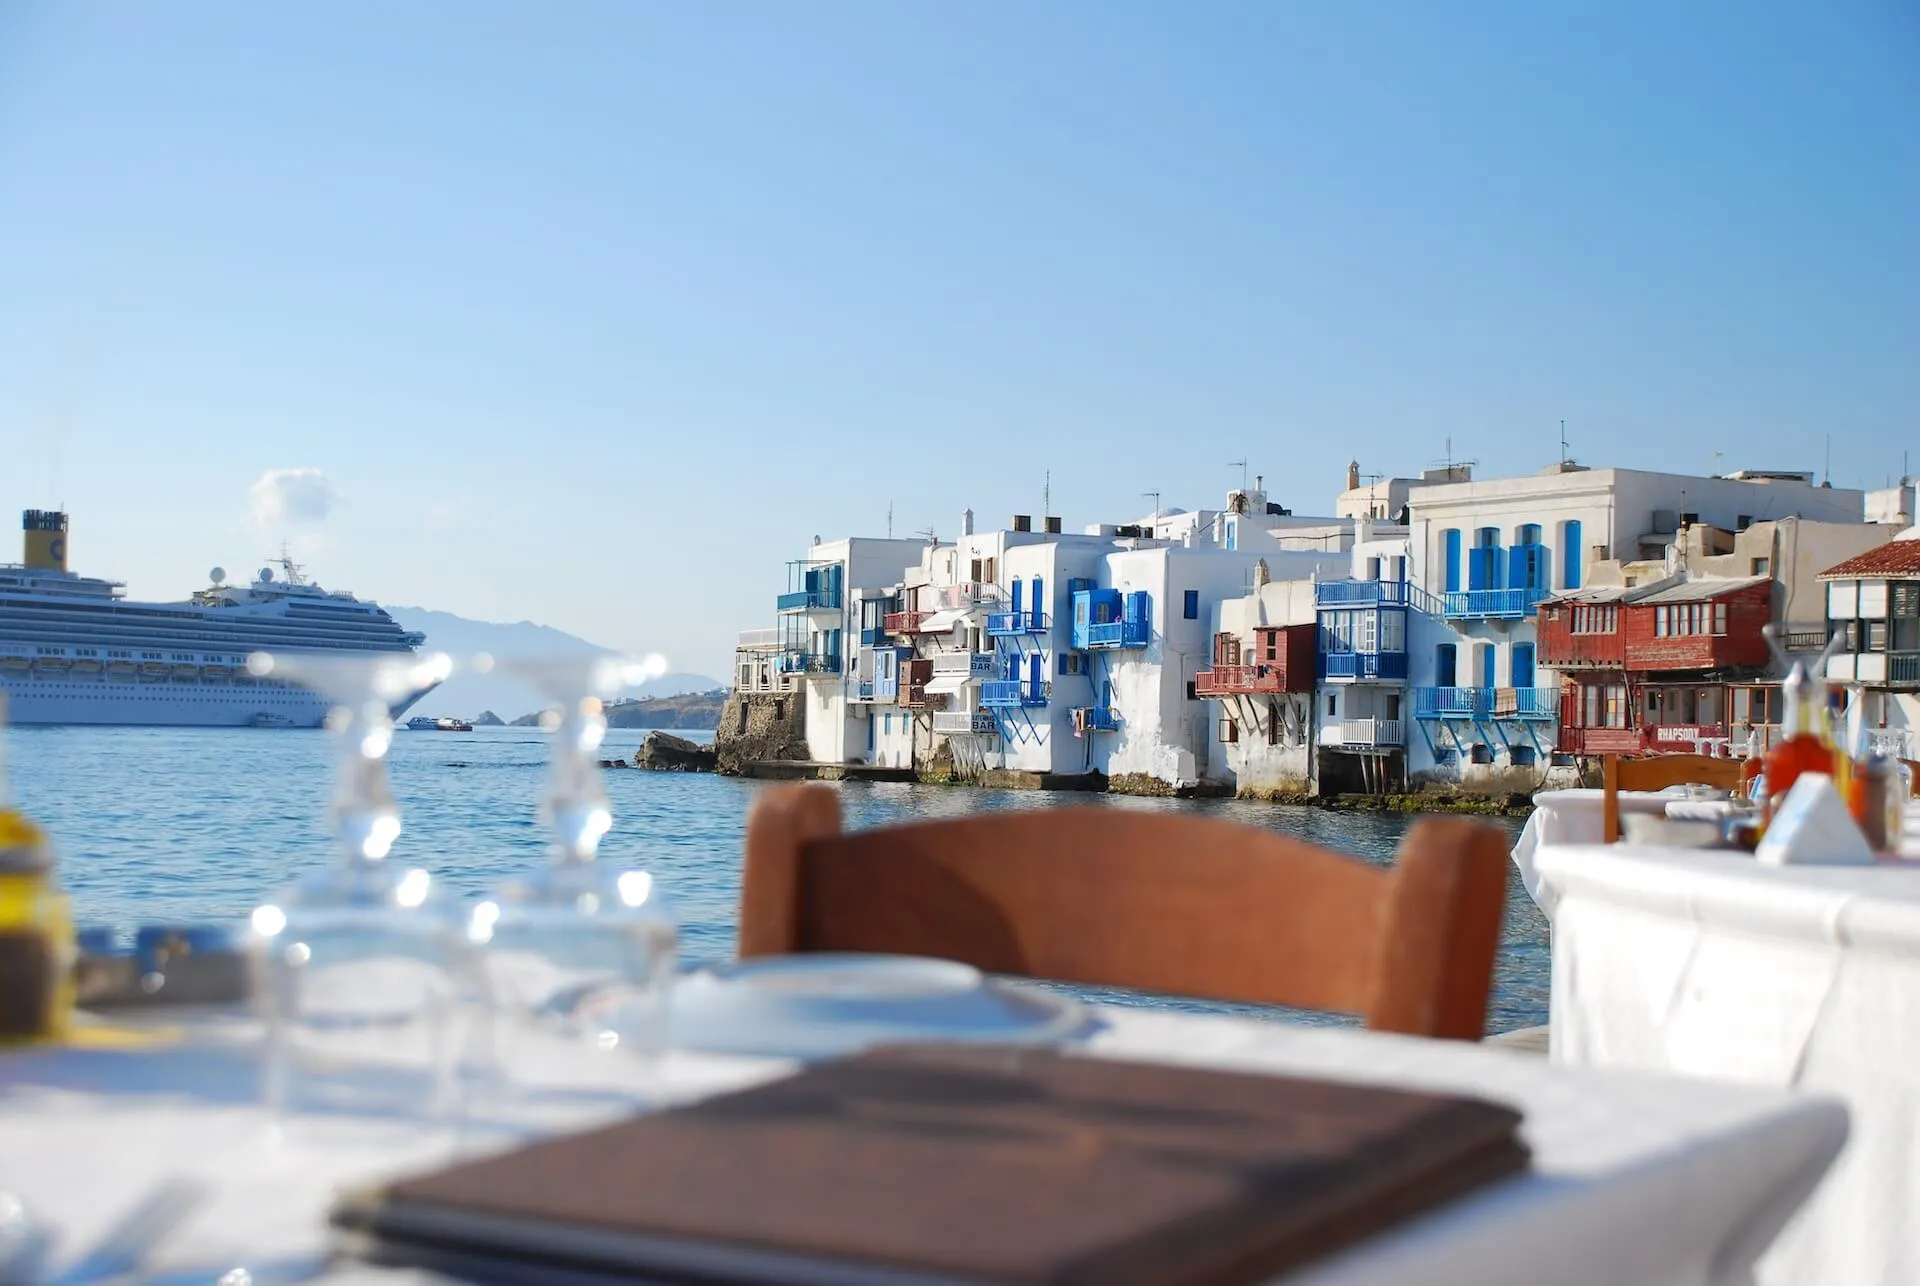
(907, 622)
(1281, 658)
(1230, 680)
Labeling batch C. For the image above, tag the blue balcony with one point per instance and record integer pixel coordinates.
(875, 636)
(1012, 694)
(1010, 624)
(799, 662)
(1134, 633)
(1486, 703)
(808, 600)
(1361, 593)
(1363, 665)
(1100, 719)
(1491, 604)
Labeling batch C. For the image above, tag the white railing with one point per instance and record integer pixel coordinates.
(962, 723)
(759, 641)
(965, 594)
(971, 664)
(1369, 732)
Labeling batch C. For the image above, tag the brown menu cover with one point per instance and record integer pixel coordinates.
(959, 1164)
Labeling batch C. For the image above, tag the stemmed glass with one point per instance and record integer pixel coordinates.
(360, 967)
(579, 952)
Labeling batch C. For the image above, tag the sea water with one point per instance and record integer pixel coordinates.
(194, 826)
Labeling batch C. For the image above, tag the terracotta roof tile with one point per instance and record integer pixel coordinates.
(1895, 558)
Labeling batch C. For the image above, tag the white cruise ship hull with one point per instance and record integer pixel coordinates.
(34, 699)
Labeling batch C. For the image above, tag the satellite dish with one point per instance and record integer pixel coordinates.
(266, 573)
(217, 575)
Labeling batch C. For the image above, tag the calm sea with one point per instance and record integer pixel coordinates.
(165, 825)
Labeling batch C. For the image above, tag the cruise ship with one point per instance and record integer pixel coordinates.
(74, 650)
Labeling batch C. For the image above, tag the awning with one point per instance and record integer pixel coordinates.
(947, 682)
(940, 622)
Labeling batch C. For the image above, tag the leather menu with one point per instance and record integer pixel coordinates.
(953, 1164)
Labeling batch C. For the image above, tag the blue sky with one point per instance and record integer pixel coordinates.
(593, 314)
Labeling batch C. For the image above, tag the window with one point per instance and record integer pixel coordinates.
(1445, 663)
(1527, 533)
(1757, 707)
(1191, 694)
(1373, 569)
(887, 724)
(1333, 704)
(1520, 665)
(1743, 522)
(1190, 605)
(1273, 724)
(1482, 753)
(1270, 646)
(1229, 730)
(1523, 756)
(1847, 634)
(1600, 618)
(1393, 631)
(1876, 636)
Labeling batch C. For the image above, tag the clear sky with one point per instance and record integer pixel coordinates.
(593, 313)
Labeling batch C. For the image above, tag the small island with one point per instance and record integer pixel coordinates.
(699, 711)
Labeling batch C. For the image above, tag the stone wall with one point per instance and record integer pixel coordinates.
(758, 726)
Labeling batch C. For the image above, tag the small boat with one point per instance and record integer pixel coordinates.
(16, 664)
(186, 673)
(52, 665)
(155, 671)
(86, 668)
(427, 723)
(215, 673)
(269, 719)
(122, 669)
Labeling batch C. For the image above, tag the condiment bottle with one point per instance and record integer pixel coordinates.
(36, 934)
(36, 929)
(1753, 765)
(1802, 748)
(1873, 794)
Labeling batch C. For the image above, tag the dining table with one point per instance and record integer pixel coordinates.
(1712, 964)
(1636, 1179)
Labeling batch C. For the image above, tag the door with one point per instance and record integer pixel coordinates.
(1037, 600)
(1445, 665)
(1036, 675)
(1522, 665)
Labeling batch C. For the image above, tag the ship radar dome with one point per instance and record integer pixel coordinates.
(266, 573)
(217, 575)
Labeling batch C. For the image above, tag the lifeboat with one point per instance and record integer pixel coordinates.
(155, 671)
(216, 673)
(86, 668)
(16, 664)
(121, 669)
(52, 665)
(186, 673)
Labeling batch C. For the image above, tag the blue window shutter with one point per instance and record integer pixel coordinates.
(1190, 605)
(1036, 672)
(1570, 558)
(1038, 600)
(1139, 606)
(1517, 566)
(1521, 663)
(1453, 559)
(1016, 599)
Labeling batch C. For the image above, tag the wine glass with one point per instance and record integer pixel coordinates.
(359, 967)
(578, 953)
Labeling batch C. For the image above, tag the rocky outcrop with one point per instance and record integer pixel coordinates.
(488, 719)
(757, 727)
(664, 752)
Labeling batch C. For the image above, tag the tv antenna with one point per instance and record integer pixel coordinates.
(1242, 466)
(926, 533)
(1450, 463)
(1046, 496)
(1155, 497)
(889, 520)
(1563, 443)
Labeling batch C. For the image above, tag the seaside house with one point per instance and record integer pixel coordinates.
(1489, 551)
(1668, 654)
(1873, 605)
(1369, 622)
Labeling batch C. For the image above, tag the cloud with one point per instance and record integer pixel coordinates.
(292, 495)
(444, 514)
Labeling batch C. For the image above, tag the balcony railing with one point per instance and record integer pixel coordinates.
(1013, 694)
(873, 636)
(759, 641)
(1098, 718)
(971, 664)
(964, 723)
(810, 662)
(1368, 732)
(1492, 604)
(1005, 624)
(864, 691)
(1486, 703)
(907, 622)
(1364, 665)
(1227, 680)
(808, 600)
(1903, 667)
(1133, 633)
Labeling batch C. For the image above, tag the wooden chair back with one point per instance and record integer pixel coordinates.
(1162, 902)
(1913, 777)
(1657, 772)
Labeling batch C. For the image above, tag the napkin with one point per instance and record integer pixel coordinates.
(1812, 827)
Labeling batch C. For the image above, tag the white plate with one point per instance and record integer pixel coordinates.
(825, 1005)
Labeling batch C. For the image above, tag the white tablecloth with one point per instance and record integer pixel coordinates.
(1636, 1180)
(1711, 964)
(1574, 817)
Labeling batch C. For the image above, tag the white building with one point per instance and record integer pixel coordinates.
(1488, 551)
(1873, 604)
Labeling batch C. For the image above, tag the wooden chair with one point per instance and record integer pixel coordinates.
(1913, 777)
(1161, 902)
(1657, 772)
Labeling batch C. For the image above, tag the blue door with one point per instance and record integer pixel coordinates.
(1036, 675)
(1522, 665)
(1453, 563)
(1446, 673)
(1038, 600)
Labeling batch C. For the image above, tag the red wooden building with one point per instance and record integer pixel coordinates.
(1677, 665)
(1281, 658)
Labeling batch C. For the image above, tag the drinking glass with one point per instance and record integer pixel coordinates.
(360, 967)
(580, 952)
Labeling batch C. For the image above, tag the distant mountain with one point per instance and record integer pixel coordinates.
(464, 694)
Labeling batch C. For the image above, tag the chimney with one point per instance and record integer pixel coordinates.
(1023, 522)
(1259, 482)
(1053, 526)
(1260, 572)
(1353, 475)
(966, 522)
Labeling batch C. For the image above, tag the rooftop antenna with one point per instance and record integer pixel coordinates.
(1450, 462)
(889, 520)
(1242, 466)
(1155, 497)
(1563, 442)
(1719, 462)
(1829, 459)
(1046, 495)
(927, 533)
